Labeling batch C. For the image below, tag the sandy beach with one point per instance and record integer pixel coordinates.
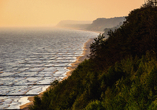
(86, 52)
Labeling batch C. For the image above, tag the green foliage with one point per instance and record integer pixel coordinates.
(137, 35)
(54, 83)
(95, 105)
(37, 104)
(121, 73)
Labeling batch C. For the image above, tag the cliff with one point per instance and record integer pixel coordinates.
(101, 23)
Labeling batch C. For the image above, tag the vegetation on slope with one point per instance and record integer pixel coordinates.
(121, 73)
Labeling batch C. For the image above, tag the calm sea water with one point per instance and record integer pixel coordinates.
(31, 59)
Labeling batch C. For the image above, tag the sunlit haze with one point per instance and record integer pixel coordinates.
(37, 13)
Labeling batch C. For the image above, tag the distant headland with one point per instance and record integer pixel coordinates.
(100, 24)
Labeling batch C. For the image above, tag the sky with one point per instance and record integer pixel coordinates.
(45, 13)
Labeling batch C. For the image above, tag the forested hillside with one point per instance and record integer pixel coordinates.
(121, 73)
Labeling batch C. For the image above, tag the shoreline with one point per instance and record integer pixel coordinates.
(79, 59)
(86, 51)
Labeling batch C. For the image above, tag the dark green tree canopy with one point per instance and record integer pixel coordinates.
(121, 73)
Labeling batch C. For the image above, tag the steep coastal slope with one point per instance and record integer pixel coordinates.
(101, 23)
(121, 73)
(97, 25)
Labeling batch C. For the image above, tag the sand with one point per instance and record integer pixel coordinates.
(74, 65)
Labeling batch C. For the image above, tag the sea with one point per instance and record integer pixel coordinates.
(32, 58)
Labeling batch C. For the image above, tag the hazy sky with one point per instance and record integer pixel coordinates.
(50, 12)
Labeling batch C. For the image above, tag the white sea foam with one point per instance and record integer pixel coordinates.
(29, 60)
